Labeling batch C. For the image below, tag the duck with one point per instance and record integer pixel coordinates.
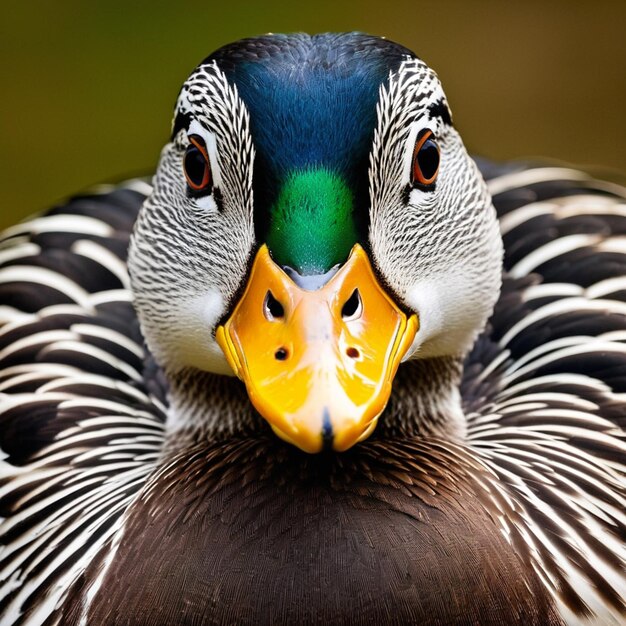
(324, 367)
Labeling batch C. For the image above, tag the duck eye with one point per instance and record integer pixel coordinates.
(196, 165)
(425, 159)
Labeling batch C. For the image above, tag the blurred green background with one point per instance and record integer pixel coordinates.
(88, 87)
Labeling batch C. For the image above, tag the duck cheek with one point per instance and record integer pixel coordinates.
(318, 365)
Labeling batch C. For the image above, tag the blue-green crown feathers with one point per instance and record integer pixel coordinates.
(312, 104)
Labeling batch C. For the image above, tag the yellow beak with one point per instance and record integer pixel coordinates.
(318, 365)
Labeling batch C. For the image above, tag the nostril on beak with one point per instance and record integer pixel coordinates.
(352, 352)
(353, 307)
(281, 354)
(272, 308)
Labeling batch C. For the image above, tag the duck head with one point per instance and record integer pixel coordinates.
(315, 221)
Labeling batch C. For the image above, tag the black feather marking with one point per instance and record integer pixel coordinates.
(181, 122)
(439, 109)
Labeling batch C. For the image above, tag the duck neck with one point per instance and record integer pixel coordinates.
(206, 406)
(425, 401)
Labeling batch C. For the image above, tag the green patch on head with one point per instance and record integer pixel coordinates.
(312, 224)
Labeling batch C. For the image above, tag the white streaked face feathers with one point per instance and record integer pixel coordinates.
(189, 254)
(439, 250)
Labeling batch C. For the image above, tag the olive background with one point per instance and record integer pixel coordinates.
(88, 87)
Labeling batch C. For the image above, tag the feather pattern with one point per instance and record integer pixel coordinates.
(544, 387)
(81, 425)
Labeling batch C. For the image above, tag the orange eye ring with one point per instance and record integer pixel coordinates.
(196, 165)
(426, 157)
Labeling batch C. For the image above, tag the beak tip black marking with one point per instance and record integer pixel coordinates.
(327, 431)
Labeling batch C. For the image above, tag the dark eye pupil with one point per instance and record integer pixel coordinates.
(195, 165)
(428, 159)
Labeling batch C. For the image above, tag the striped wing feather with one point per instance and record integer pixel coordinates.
(81, 424)
(544, 387)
